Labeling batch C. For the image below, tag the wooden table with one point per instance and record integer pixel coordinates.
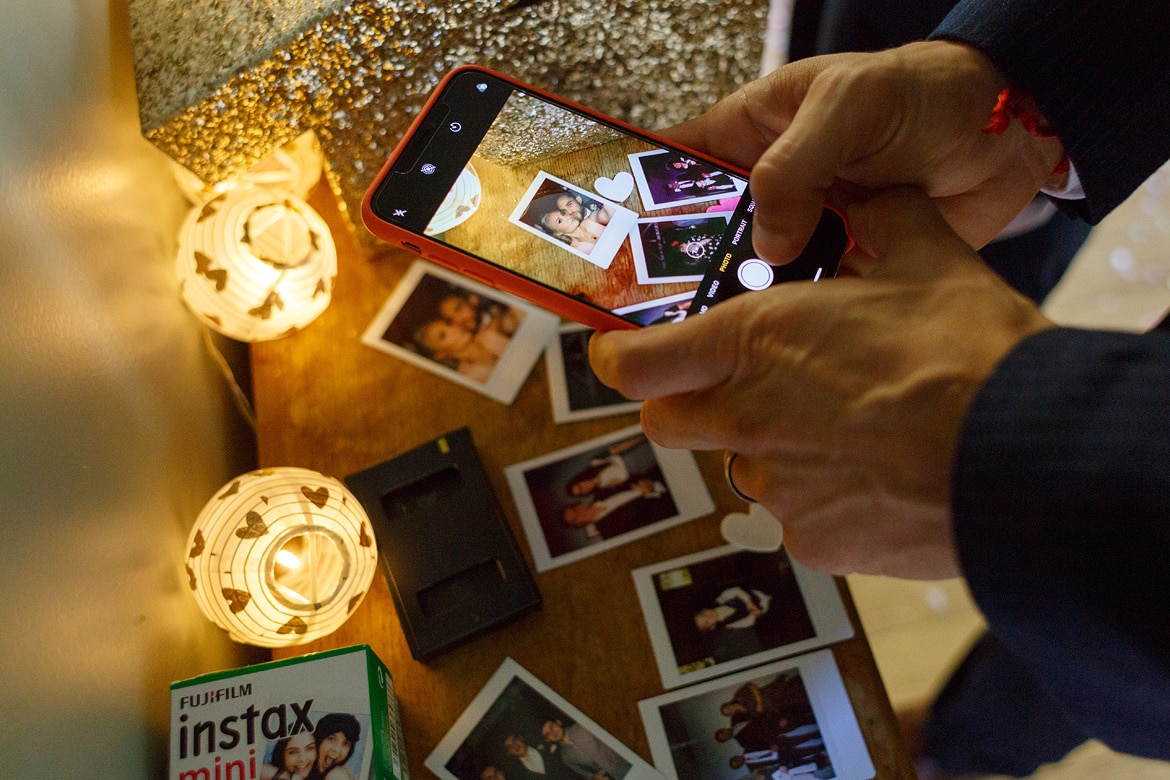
(327, 402)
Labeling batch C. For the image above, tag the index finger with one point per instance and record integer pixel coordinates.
(740, 127)
(667, 359)
(791, 181)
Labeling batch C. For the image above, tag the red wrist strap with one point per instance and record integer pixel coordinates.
(1017, 104)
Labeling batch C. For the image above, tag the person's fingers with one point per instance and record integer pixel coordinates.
(837, 520)
(903, 229)
(665, 360)
(691, 421)
(740, 127)
(792, 178)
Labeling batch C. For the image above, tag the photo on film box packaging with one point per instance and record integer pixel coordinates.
(331, 715)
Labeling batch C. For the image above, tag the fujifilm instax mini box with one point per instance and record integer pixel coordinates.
(326, 716)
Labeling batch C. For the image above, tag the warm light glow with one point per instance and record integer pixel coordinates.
(281, 556)
(255, 265)
(288, 560)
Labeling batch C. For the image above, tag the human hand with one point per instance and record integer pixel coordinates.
(838, 127)
(843, 398)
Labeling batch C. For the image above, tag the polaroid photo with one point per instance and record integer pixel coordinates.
(677, 248)
(667, 179)
(576, 392)
(574, 219)
(519, 727)
(603, 493)
(789, 720)
(726, 609)
(672, 308)
(461, 330)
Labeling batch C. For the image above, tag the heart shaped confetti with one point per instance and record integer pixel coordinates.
(616, 189)
(757, 531)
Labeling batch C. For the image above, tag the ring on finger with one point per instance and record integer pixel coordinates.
(729, 457)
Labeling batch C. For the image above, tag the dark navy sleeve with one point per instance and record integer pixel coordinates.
(1099, 71)
(1061, 500)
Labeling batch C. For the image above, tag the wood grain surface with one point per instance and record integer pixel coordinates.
(327, 402)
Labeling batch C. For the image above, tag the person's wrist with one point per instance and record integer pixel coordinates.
(1006, 109)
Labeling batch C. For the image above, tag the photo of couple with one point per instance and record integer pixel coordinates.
(519, 729)
(574, 218)
(730, 607)
(667, 178)
(324, 753)
(726, 608)
(676, 248)
(461, 330)
(602, 493)
(788, 720)
(457, 328)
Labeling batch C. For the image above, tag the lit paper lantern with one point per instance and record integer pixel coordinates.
(281, 556)
(256, 265)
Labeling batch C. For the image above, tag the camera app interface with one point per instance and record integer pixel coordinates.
(563, 199)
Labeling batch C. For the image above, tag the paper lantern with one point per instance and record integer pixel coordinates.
(281, 556)
(256, 265)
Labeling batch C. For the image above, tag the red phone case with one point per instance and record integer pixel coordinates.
(500, 278)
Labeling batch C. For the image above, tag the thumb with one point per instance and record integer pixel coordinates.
(903, 229)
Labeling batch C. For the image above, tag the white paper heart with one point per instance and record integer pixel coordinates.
(616, 189)
(757, 531)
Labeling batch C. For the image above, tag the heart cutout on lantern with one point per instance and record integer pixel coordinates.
(237, 599)
(319, 497)
(294, 626)
(197, 544)
(254, 527)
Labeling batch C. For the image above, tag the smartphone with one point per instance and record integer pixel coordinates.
(578, 212)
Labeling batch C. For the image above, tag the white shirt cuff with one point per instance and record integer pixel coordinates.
(1072, 190)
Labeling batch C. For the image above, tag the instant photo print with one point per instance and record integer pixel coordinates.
(573, 219)
(725, 609)
(676, 248)
(789, 720)
(602, 493)
(666, 178)
(461, 330)
(575, 391)
(516, 721)
(452, 563)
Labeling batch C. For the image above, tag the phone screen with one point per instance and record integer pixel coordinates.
(580, 205)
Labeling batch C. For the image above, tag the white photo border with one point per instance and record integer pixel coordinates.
(642, 271)
(680, 472)
(610, 240)
(834, 713)
(822, 601)
(512, 368)
(663, 302)
(508, 671)
(558, 383)
(647, 194)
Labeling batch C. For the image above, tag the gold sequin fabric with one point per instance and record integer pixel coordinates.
(359, 73)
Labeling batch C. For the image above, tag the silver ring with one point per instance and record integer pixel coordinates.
(729, 457)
